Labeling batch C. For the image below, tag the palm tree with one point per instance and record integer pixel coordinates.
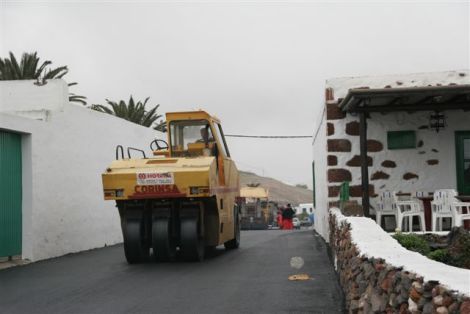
(29, 69)
(134, 112)
(76, 98)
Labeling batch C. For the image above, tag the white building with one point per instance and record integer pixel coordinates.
(305, 208)
(52, 154)
(379, 133)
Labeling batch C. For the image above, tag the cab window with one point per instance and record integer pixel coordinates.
(191, 138)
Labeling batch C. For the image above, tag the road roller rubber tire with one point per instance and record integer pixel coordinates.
(135, 248)
(192, 245)
(234, 243)
(164, 248)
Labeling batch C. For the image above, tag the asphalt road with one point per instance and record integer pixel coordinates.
(252, 279)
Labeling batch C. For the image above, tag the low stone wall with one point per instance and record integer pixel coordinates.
(373, 285)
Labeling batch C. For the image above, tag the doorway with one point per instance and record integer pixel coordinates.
(462, 146)
(10, 194)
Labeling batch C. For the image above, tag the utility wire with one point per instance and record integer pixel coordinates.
(269, 136)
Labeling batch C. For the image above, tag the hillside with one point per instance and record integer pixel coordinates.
(278, 191)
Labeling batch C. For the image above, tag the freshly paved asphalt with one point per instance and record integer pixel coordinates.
(252, 279)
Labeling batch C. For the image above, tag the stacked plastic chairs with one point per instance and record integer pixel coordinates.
(446, 205)
(442, 207)
(386, 206)
(459, 215)
(406, 210)
(390, 205)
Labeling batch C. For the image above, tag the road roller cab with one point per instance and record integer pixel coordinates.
(181, 200)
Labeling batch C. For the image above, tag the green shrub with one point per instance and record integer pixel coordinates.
(457, 253)
(459, 247)
(441, 255)
(413, 242)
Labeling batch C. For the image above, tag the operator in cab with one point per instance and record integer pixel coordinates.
(205, 136)
(208, 141)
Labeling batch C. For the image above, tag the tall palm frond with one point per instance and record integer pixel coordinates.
(28, 69)
(133, 111)
(77, 98)
(161, 126)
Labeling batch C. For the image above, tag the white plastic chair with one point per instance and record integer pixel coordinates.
(386, 206)
(442, 207)
(410, 208)
(458, 214)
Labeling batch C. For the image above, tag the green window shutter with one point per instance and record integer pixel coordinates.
(401, 139)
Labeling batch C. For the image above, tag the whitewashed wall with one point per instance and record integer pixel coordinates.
(64, 155)
(23, 96)
(321, 189)
(439, 146)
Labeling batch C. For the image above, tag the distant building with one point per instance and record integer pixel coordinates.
(305, 208)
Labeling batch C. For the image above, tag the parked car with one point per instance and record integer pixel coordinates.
(296, 223)
(306, 222)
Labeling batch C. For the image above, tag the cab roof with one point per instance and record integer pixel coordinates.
(190, 115)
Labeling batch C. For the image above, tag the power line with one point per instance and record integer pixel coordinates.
(269, 136)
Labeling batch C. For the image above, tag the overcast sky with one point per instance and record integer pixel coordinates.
(260, 66)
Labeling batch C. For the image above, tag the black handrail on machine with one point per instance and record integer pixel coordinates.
(121, 149)
(136, 149)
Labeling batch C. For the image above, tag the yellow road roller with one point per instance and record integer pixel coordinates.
(181, 201)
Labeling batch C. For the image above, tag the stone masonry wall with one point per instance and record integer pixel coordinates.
(371, 285)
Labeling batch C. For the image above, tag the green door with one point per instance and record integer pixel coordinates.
(10, 194)
(462, 145)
